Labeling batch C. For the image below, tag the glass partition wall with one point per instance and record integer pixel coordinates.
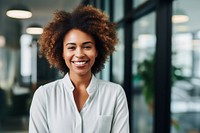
(118, 59)
(143, 71)
(185, 96)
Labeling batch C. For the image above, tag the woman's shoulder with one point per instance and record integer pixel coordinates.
(110, 90)
(108, 85)
(49, 87)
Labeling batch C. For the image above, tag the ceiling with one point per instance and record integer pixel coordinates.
(42, 12)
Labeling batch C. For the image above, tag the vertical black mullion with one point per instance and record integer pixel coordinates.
(128, 58)
(163, 67)
(111, 11)
(94, 3)
(102, 4)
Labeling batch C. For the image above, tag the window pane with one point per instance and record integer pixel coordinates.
(118, 59)
(143, 66)
(105, 73)
(98, 4)
(185, 97)
(118, 10)
(26, 41)
(107, 6)
(26, 58)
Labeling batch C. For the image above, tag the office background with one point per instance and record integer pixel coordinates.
(157, 61)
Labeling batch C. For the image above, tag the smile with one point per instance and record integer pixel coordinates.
(79, 62)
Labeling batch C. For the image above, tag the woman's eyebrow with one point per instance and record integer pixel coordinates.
(70, 43)
(88, 42)
(84, 43)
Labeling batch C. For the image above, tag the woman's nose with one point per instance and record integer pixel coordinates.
(79, 53)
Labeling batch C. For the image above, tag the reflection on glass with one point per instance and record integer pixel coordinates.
(185, 97)
(143, 70)
(138, 3)
(118, 59)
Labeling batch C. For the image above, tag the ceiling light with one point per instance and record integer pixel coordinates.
(19, 12)
(34, 29)
(179, 16)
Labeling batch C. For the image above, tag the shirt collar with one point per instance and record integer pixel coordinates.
(67, 82)
(91, 89)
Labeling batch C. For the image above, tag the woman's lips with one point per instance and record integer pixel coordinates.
(79, 63)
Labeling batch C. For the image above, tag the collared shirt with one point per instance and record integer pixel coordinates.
(53, 109)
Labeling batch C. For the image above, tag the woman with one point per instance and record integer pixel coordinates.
(78, 44)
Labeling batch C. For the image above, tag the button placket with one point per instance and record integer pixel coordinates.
(78, 127)
(78, 118)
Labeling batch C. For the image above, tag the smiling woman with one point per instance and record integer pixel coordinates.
(79, 52)
(78, 44)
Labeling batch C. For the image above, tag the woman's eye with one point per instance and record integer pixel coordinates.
(71, 48)
(87, 47)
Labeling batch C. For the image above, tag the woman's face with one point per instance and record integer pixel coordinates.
(79, 52)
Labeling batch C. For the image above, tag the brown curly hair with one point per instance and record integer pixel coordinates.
(87, 19)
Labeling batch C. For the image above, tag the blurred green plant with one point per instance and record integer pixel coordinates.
(146, 72)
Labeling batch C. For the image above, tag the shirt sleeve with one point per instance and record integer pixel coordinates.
(38, 117)
(121, 114)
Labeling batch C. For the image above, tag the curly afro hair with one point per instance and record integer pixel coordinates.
(87, 19)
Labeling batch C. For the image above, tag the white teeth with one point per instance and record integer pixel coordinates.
(80, 63)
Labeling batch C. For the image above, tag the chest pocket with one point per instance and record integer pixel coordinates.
(104, 124)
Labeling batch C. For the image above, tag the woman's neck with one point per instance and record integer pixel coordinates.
(80, 81)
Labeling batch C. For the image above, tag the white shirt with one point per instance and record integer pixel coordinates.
(53, 109)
